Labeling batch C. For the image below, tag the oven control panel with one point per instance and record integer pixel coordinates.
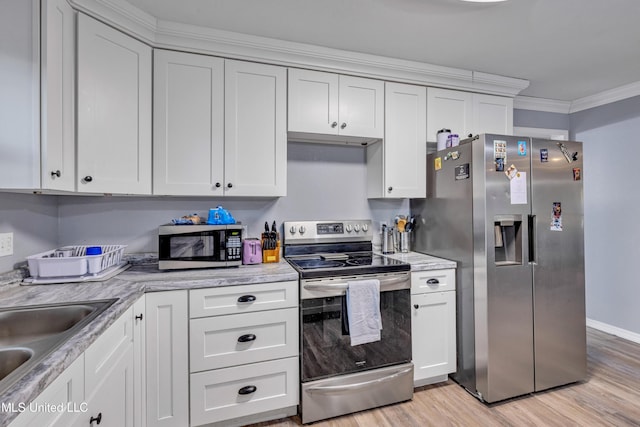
(301, 232)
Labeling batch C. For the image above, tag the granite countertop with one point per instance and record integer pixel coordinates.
(422, 262)
(127, 287)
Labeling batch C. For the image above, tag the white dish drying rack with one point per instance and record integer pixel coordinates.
(72, 264)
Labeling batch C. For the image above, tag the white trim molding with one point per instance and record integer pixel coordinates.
(190, 38)
(614, 330)
(541, 104)
(606, 97)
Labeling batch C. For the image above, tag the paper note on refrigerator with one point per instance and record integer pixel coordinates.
(518, 189)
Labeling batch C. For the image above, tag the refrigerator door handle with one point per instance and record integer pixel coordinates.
(532, 240)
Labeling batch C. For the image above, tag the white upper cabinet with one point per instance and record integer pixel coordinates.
(219, 127)
(188, 120)
(492, 114)
(397, 165)
(57, 96)
(449, 109)
(114, 111)
(332, 104)
(255, 125)
(467, 113)
(37, 87)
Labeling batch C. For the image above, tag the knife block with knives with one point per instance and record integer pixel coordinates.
(270, 244)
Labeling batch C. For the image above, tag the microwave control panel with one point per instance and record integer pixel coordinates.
(234, 245)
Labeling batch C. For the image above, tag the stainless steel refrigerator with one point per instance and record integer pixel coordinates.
(509, 210)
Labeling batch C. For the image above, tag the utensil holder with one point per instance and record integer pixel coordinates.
(404, 241)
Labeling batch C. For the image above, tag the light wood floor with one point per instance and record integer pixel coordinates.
(609, 397)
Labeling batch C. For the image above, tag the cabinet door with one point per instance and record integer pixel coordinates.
(313, 102)
(111, 403)
(57, 96)
(114, 111)
(19, 94)
(361, 109)
(109, 377)
(67, 391)
(139, 363)
(188, 121)
(405, 141)
(255, 129)
(433, 331)
(167, 349)
(492, 114)
(449, 109)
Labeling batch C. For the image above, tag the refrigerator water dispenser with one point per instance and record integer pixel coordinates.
(508, 239)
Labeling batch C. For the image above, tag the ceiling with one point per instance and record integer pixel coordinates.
(567, 49)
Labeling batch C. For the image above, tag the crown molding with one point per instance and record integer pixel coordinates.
(606, 97)
(190, 38)
(541, 104)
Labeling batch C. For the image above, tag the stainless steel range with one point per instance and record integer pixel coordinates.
(334, 259)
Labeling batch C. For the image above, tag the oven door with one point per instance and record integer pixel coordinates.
(326, 345)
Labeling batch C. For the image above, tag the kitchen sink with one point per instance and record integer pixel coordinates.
(30, 333)
(12, 358)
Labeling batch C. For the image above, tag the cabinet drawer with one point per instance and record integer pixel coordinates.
(433, 281)
(242, 299)
(219, 342)
(235, 392)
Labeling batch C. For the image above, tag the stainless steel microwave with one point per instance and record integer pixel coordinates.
(199, 246)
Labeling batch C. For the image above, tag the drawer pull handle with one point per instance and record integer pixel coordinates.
(246, 298)
(433, 282)
(247, 390)
(247, 338)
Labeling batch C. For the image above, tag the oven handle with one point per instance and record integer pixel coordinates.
(357, 386)
(386, 284)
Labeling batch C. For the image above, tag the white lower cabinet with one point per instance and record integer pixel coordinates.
(433, 325)
(167, 361)
(244, 353)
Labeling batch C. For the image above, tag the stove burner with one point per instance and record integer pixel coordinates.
(360, 261)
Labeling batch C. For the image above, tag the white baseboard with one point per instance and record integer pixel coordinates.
(614, 330)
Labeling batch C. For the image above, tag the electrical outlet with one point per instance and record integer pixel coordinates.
(6, 244)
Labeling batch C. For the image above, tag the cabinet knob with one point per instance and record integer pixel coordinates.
(218, 185)
(334, 124)
(342, 126)
(88, 178)
(390, 189)
(247, 338)
(229, 185)
(97, 419)
(247, 389)
(56, 173)
(416, 306)
(139, 317)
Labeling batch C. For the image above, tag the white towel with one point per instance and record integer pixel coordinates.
(363, 310)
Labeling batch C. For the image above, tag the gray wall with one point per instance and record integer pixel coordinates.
(612, 208)
(33, 220)
(324, 182)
